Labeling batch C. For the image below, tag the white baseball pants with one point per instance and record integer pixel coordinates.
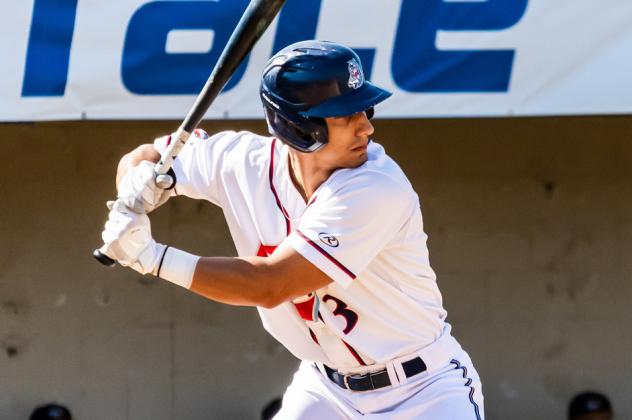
(450, 392)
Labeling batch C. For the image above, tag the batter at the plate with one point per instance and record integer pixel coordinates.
(330, 240)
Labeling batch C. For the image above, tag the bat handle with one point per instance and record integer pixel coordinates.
(103, 258)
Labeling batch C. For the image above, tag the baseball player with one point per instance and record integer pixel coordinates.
(331, 245)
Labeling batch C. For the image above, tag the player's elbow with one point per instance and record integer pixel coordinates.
(271, 295)
(261, 298)
(269, 302)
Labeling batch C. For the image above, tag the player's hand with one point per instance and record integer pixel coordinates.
(127, 237)
(140, 189)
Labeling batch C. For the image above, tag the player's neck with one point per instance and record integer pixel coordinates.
(306, 173)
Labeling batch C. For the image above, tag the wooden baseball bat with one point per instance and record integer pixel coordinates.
(253, 23)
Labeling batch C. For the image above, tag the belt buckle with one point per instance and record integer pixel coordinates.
(345, 380)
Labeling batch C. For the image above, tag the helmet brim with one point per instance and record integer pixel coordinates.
(358, 100)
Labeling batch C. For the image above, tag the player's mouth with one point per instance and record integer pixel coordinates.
(361, 147)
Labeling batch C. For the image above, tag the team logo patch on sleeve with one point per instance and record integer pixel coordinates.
(329, 240)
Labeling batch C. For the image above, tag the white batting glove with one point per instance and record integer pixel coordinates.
(127, 238)
(140, 189)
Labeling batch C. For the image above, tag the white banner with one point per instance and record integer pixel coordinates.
(138, 59)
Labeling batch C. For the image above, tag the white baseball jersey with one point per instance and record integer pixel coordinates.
(362, 227)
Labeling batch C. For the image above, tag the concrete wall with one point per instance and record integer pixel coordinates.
(530, 234)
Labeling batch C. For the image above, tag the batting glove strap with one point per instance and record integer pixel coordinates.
(177, 266)
(148, 259)
(127, 237)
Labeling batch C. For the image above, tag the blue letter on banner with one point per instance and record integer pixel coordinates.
(148, 69)
(48, 52)
(419, 67)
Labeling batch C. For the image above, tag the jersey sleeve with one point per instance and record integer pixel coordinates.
(343, 233)
(199, 164)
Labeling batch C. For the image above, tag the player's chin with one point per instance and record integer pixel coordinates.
(358, 158)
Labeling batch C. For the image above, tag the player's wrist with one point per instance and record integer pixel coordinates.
(147, 261)
(176, 266)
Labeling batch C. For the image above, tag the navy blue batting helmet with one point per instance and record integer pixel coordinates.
(309, 81)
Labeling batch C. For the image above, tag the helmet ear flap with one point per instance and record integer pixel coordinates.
(302, 133)
(320, 133)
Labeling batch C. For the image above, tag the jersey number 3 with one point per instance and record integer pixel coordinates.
(343, 311)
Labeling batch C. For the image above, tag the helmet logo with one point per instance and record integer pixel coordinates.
(356, 78)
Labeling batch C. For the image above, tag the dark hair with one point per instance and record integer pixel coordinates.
(588, 402)
(51, 411)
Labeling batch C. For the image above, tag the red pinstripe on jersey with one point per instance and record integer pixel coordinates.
(327, 255)
(274, 191)
(353, 353)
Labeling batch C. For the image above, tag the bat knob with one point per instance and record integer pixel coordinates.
(102, 258)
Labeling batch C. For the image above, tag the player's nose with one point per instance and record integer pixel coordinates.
(364, 126)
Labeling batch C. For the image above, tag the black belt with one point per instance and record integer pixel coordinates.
(374, 380)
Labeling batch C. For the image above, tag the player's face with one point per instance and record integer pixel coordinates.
(348, 141)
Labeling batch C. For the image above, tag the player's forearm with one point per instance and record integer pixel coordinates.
(235, 281)
(133, 158)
